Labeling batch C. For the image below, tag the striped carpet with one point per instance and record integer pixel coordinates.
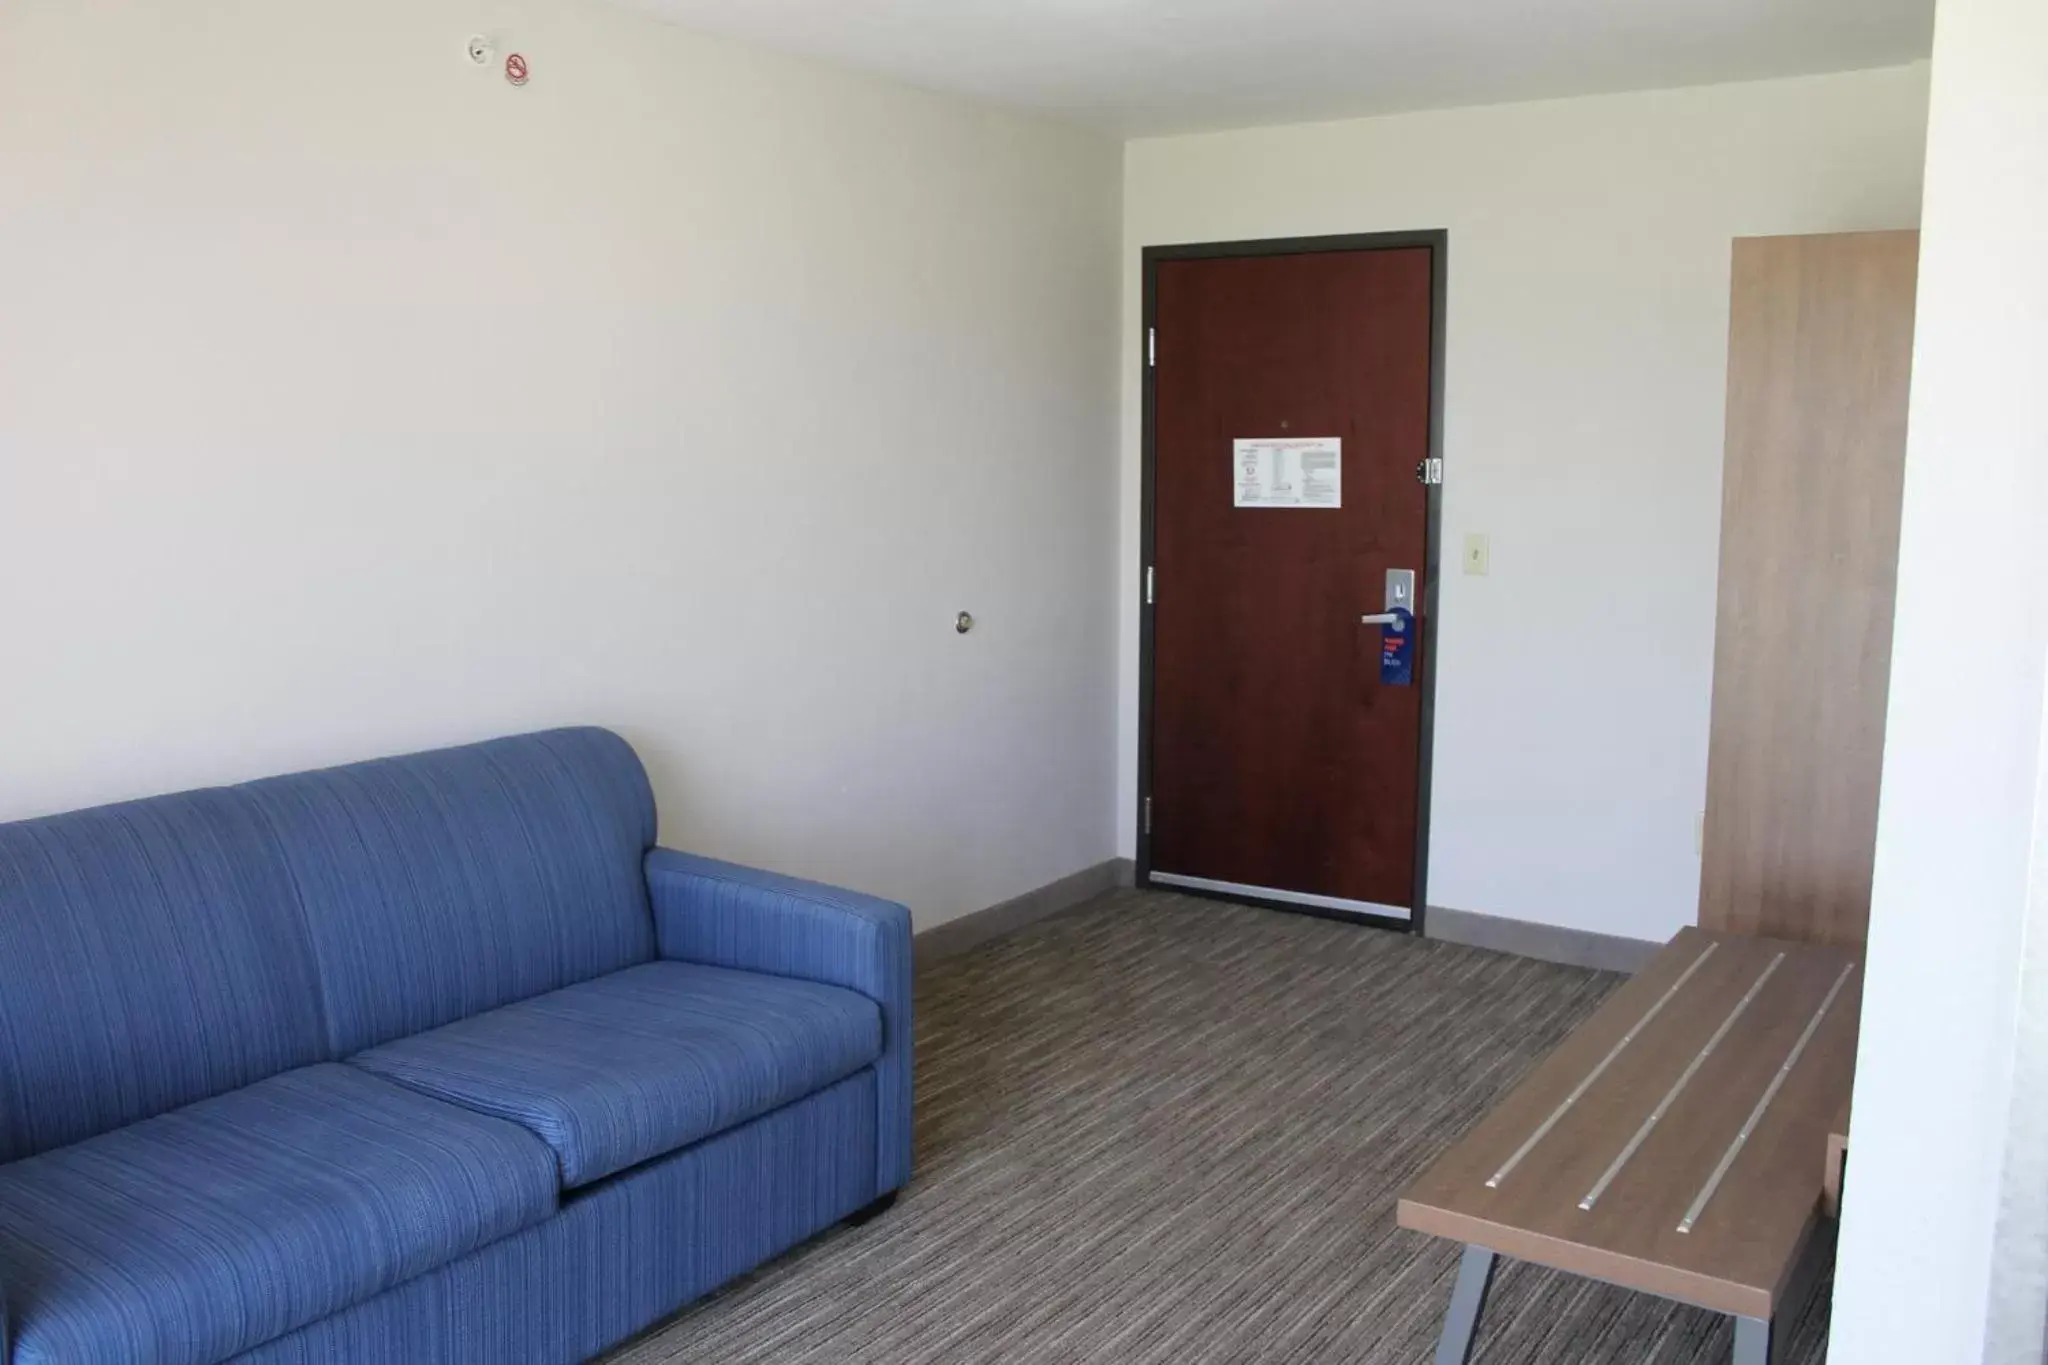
(1161, 1129)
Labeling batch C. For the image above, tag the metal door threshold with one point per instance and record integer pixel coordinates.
(1302, 898)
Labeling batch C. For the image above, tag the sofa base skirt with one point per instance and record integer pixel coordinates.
(622, 1255)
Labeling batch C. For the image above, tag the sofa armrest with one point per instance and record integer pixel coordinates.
(725, 915)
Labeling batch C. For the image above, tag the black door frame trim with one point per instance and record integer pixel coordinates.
(1438, 242)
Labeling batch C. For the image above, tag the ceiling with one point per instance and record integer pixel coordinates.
(1154, 66)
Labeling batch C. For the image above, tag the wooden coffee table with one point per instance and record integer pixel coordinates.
(1675, 1144)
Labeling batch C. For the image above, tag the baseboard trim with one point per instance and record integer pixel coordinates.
(972, 930)
(1545, 942)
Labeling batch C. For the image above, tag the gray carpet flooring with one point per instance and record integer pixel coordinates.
(1161, 1129)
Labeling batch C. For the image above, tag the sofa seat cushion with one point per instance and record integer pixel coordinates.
(187, 1238)
(633, 1065)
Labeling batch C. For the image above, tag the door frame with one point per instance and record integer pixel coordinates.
(1437, 240)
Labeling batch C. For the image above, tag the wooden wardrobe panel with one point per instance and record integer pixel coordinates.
(1819, 354)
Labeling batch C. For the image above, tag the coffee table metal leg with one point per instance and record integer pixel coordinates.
(1468, 1301)
(1752, 1341)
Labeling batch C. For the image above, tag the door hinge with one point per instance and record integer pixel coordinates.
(1430, 470)
(1148, 585)
(1151, 347)
(1148, 815)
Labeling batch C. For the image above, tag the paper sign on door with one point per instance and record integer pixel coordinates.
(1306, 472)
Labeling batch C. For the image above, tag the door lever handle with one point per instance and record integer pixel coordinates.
(1380, 618)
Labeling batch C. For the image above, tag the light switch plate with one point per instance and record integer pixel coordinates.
(1478, 555)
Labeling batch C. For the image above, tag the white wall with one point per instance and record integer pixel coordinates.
(353, 401)
(1587, 333)
(1944, 1246)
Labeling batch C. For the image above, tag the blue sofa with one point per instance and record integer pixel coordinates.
(430, 1059)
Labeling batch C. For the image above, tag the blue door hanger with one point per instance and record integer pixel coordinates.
(1397, 649)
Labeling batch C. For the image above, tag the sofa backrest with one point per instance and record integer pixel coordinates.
(151, 955)
(442, 884)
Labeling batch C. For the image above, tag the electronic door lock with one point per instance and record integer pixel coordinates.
(1399, 606)
(1400, 592)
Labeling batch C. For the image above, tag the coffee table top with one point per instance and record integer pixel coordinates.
(1676, 1142)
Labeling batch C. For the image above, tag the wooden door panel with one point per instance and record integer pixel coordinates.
(1279, 760)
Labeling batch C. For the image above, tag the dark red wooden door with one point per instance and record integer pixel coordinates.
(1281, 764)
